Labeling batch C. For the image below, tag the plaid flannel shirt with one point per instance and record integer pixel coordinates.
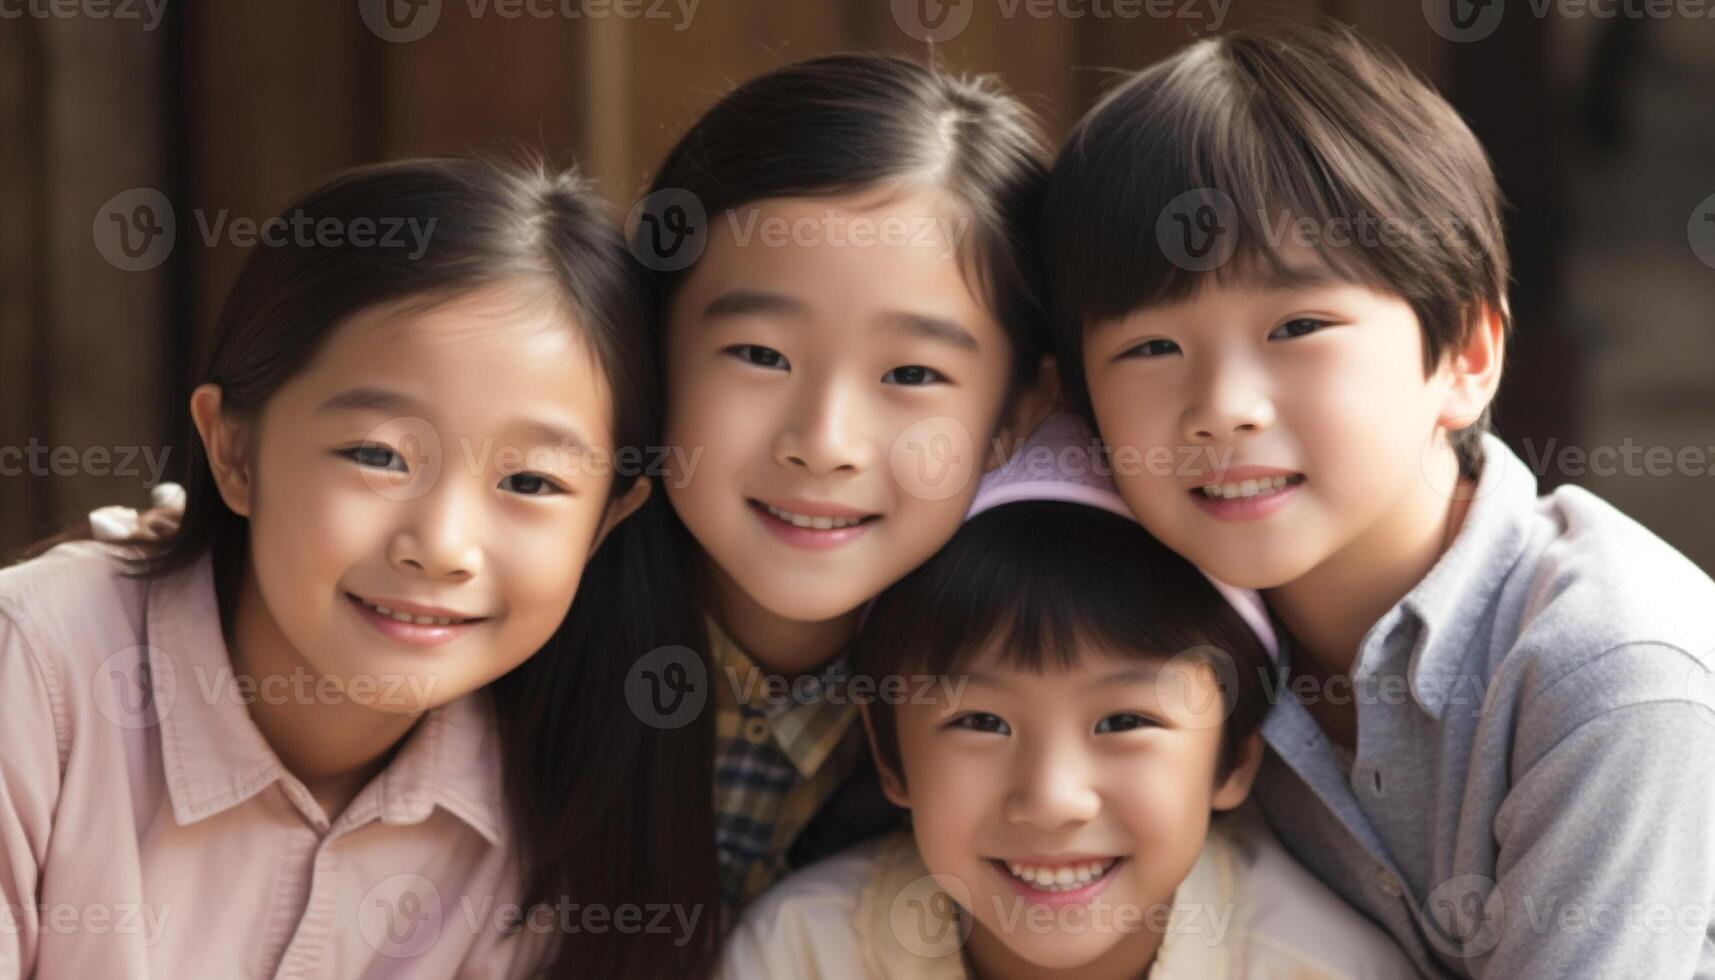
(781, 750)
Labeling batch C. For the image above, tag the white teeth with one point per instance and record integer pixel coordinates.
(817, 523)
(1061, 878)
(408, 618)
(1246, 488)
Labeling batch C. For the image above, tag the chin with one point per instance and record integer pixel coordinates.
(819, 608)
(1058, 953)
(1257, 569)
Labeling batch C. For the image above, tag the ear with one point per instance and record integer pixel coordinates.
(1474, 371)
(621, 508)
(1237, 786)
(1031, 406)
(892, 783)
(227, 445)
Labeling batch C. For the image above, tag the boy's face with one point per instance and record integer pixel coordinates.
(1067, 806)
(1307, 404)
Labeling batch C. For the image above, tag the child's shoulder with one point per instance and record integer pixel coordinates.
(1292, 923)
(74, 601)
(807, 925)
(1587, 543)
(1606, 600)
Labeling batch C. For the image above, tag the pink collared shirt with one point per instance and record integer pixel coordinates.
(148, 830)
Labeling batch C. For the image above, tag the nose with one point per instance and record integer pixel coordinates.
(439, 538)
(823, 433)
(1052, 790)
(1229, 399)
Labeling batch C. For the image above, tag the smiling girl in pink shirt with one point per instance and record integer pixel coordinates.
(312, 735)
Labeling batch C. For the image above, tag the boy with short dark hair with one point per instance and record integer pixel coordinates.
(1278, 279)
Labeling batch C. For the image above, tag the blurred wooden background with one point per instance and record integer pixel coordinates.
(235, 105)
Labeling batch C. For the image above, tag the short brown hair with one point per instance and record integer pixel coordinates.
(1303, 122)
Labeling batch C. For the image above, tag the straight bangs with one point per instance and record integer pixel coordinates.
(1041, 583)
(1272, 159)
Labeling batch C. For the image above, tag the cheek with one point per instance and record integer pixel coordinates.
(721, 426)
(1135, 411)
(1166, 788)
(538, 570)
(309, 526)
(952, 798)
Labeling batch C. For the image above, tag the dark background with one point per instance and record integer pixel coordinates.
(1602, 129)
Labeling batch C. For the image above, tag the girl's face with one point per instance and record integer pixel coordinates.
(1063, 809)
(443, 463)
(833, 385)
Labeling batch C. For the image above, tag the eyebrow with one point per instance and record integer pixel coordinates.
(938, 329)
(384, 401)
(750, 302)
(1132, 674)
(756, 302)
(1283, 278)
(368, 399)
(1136, 674)
(1300, 277)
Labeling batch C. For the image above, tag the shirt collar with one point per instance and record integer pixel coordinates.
(811, 718)
(1446, 609)
(215, 758)
(1188, 951)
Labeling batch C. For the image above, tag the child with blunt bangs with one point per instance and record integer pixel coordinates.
(1074, 769)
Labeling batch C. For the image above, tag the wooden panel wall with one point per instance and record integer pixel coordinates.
(233, 107)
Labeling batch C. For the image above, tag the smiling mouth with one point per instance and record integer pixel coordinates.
(404, 617)
(813, 523)
(1246, 489)
(1059, 877)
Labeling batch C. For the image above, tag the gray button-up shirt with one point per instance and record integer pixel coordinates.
(1533, 791)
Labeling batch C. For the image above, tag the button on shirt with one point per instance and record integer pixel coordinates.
(148, 830)
(1533, 788)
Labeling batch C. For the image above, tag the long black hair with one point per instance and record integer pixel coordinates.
(831, 126)
(854, 122)
(589, 785)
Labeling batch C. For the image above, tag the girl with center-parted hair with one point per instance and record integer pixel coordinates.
(350, 720)
(859, 324)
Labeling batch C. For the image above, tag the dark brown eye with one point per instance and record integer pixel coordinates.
(913, 374)
(1298, 328)
(1124, 722)
(531, 485)
(758, 355)
(982, 721)
(1153, 348)
(376, 457)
